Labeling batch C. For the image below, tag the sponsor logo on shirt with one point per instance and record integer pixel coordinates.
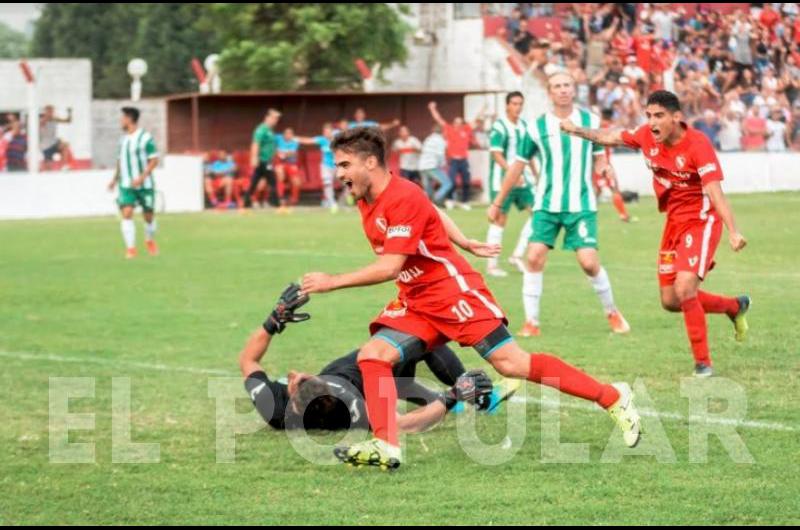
(398, 231)
(708, 168)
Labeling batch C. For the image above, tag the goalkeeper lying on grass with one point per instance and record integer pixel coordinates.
(333, 399)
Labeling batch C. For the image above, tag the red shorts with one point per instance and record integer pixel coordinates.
(218, 184)
(466, 318)
(688, 247)
(289, 170)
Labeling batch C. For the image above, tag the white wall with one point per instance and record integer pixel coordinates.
(179, 185)
(744, 172)
(106, 130)
(62, 83)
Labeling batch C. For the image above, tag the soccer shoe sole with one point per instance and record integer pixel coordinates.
(374, 460)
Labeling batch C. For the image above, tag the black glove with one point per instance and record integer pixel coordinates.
(473, 387)
(284, 312)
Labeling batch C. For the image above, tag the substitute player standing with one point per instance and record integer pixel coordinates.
(686, 179)
(564, 199)
(506, 136)
(138, 158)
(441, 298)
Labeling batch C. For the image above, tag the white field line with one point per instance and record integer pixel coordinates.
(158, 367)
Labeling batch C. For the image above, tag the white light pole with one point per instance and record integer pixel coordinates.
(137, 68)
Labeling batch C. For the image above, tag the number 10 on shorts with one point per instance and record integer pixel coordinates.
(462, 311)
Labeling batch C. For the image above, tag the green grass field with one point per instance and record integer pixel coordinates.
(70, 306)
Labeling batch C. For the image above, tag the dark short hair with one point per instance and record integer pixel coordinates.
(512, 95)
(132, 113)
(319, 407)
(666, 99)
(362, 141)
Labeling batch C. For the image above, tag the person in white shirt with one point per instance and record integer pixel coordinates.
(408, 147)
(431, 163)
(776, 132)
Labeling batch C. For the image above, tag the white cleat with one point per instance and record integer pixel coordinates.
(624, 414)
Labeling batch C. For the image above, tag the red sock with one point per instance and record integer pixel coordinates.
(714, 303)
(380, 394)
(552, 371)
(695, 319)
(619, 204)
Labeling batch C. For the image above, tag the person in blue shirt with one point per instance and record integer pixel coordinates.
(360, 120)
(327, 165)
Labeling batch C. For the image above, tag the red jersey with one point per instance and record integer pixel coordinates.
(458, 140)
(679, 172)
(402, 220)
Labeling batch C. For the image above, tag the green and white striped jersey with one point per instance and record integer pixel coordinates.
(506, 137)
(565, 163)
(135, 150)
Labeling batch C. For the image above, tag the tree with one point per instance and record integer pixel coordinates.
(305, 46)
(13, 44)
(165, 35)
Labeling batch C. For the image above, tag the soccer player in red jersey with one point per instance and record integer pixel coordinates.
(686, 180)
(441, 297)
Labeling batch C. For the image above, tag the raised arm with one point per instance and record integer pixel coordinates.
(435, 114)
(608, 137)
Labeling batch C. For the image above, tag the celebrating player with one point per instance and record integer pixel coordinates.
(504, 140)
(686, 179)
(137, 160)
(333, 400)
(441, 298)
(564, 199)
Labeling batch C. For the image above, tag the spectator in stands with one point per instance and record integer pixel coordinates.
(408, 147)
(755, 131)
(710, 126)
(459, 137)
(219, 171)
(327, 167)
(431, 164)
(48, 140)
(16, 147)
(523, 38)
(730, 133)
(778, 135)
(512, 25)
(287, 171)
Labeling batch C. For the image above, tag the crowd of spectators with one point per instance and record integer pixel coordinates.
(736, 70)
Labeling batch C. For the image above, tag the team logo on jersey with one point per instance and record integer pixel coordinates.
(398, 231)
(689, 240)
(395, 309)
(680, 161)
(380, 222)
(653, 151)
(693, 261)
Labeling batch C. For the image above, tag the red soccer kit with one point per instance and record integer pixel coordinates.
(693, 228)
(441, 297)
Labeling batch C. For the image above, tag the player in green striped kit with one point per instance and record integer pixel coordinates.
(505, 138)
(564, 199)
(137, 160)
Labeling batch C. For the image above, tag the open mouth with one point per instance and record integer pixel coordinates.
(348, 184)
(655, 131)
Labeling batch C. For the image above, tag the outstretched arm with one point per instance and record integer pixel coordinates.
(435, 114)
(473, 246)
(387, 267)
(608, 137)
